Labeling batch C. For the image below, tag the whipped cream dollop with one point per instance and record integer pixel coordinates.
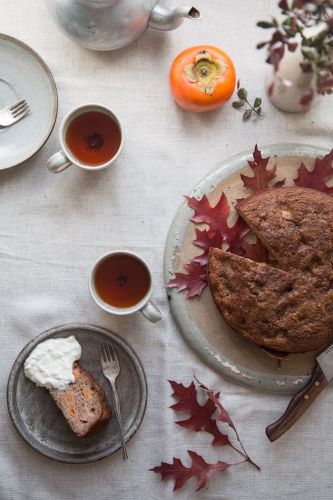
(50, 364)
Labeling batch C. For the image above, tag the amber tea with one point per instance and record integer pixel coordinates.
(93, 137)
(121, 280)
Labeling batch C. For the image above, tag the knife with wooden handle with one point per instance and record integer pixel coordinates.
(321, 376)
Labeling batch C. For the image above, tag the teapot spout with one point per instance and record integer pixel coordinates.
(164, 19)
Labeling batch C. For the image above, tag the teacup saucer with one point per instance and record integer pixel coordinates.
(24, 75)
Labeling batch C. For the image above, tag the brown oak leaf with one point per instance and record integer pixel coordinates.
(262, 176)
(318, 177)
(181, 474)
(200, 416)
(194, 280)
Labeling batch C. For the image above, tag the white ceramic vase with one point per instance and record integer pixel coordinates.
(289, 88)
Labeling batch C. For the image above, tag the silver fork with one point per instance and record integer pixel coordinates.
(14, 113)
(111, 370)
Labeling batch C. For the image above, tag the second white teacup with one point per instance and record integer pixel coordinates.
(121, 284)
(90, 137)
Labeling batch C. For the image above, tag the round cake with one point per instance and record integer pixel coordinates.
(289, 309)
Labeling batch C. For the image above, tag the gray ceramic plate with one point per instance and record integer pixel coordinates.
(40, 422)
(199, 319)
(24, 75)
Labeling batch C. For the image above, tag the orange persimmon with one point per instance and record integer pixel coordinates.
(202, 78)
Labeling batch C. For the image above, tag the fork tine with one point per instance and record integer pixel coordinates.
(114, 355)
(102, 351)
(17, 104)
(111, 351)
(21, 115)
(107, 353)
(20, 110)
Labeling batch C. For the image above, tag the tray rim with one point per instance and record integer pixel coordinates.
(286, 384)
(17, 366)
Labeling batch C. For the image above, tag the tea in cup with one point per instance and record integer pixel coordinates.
(121, 284)
(90, 137)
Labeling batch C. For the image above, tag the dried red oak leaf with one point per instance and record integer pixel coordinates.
(317, 178)
(262, 176)
(216, 217)
(200, 416)
(194, 281)
(223, 414)
(181, 474)
(206, 240)
(255, 251)
(224, 417)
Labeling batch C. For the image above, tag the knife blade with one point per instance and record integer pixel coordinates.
(320, 377)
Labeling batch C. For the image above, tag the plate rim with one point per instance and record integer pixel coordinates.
(17, 367)
(54, 91)
(286, 384)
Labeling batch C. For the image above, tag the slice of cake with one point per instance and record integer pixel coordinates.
(82, 403)
(273, 308)
(53, 364)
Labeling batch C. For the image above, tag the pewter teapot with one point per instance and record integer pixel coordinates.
(112, 24)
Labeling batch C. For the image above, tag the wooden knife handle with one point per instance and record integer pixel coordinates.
(298, 404)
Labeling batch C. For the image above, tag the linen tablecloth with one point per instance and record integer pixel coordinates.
(54, 227)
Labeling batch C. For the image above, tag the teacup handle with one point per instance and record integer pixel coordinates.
(151, 312)
(58, 162)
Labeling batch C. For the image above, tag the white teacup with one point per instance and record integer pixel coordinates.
(63, 159)
(144, 305)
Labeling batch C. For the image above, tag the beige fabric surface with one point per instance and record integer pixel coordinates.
(54, 227)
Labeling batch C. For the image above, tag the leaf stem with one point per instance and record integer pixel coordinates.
(243, 453)
(212, 396)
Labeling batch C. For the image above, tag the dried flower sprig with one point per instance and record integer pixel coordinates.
(243, 100)
(296, 17)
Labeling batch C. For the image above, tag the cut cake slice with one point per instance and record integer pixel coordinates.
(82, 403)
(273, 308)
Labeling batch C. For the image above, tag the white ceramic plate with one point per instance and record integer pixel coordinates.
(24, 75)
(199, 320)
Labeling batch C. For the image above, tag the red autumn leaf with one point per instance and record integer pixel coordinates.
(262, 176)
(224, 417)
(237, 233)
(206, 240)
(317, 178)
(255, 251)
(194, 281)
(223, 414)
(181, 474)
(200, 416)
(216, 217)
